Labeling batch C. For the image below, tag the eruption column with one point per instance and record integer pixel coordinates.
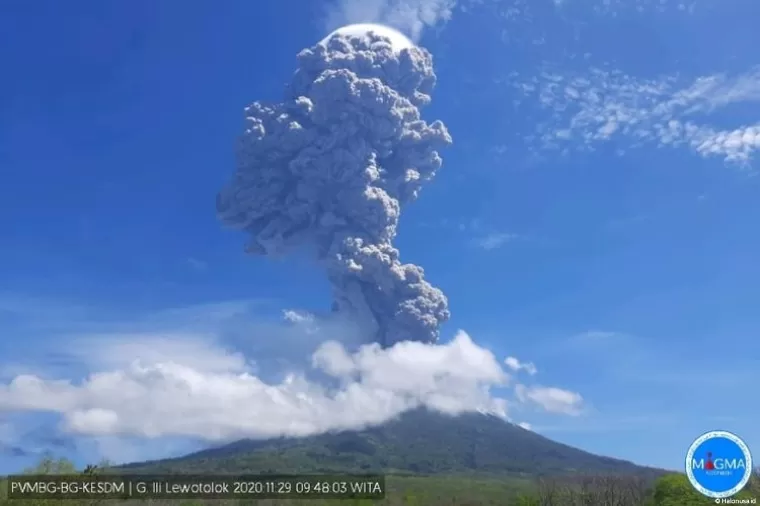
(330, 168)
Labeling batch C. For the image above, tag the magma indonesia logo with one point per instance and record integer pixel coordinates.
(718, 464)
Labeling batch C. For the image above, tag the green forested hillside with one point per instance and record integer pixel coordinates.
(432, 460)
(420, 442)
(668, 490)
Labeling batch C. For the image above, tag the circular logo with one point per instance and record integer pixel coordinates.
(718, 464)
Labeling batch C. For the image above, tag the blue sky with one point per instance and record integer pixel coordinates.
(593, 218)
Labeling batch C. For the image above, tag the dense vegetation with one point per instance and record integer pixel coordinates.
(667, 490)
(431, 461)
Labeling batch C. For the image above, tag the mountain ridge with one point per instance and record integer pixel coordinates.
(418, 442)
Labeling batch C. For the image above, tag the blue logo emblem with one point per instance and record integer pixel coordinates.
(718, 464)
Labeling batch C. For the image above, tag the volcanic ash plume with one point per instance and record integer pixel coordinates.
(329, 169)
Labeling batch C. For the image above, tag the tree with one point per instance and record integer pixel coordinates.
(52, 466)
(675, 490)
(753, 487)
(592, 491)
(49, 465)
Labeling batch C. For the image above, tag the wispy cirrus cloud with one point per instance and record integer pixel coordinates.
(583, 111)
(408, 16)
(414, 16)
(494, 240)
(516, 365)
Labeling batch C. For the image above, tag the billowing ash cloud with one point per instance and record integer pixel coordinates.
(329, 169)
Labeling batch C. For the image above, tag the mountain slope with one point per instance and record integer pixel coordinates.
(419, 442)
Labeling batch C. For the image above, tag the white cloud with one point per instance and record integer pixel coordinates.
(199, 352)
(525, 425)
(295, 316)
(515, 365)
(494, 240)
(736, 145)
(532, 20)
(153, 399)
(551, 399)
(190, 372)
(408, 16)
(586, 110)
(618, 7)
(712, 92)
